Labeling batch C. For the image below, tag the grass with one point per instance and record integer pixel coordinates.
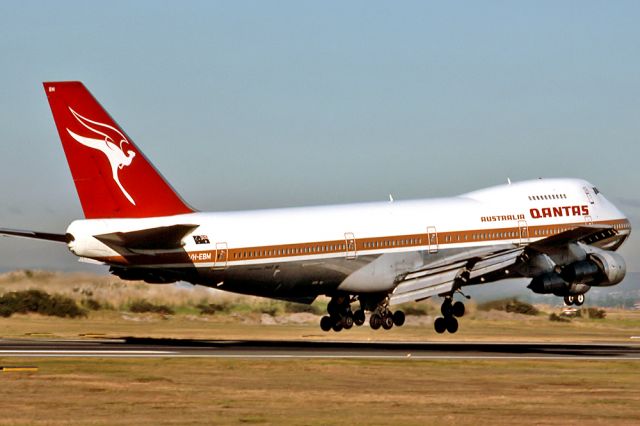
(320, 392)
(510, 305)
(205, 313)
(310, 392)
(143, 306)
(619, 326)
(38, 301)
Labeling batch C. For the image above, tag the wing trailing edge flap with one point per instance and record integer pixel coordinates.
(426, 283)
(160, 238)
(494, 263)
(430, 282)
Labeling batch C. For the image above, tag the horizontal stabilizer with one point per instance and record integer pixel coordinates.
(161, 238)
(59, 238)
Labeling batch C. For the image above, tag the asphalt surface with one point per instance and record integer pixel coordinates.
(131, 347)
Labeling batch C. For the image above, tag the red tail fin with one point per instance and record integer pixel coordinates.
(112, 176)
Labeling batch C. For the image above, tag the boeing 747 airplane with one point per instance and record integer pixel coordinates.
(560, 233)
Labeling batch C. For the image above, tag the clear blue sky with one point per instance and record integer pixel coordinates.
(252, 104)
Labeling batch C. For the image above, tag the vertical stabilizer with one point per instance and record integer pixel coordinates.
(112, 176)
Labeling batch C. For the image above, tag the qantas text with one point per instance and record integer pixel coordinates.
(559, 211)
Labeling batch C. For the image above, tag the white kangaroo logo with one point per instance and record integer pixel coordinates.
(114, 152)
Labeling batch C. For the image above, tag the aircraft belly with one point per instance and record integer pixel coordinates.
(290, 280)
(380, 274)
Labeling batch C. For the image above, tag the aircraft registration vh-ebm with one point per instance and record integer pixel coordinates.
(368, 257)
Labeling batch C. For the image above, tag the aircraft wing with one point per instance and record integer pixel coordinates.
(59, 238)
(487, 265)
(160, 238)
(439, 279)
(587, 234)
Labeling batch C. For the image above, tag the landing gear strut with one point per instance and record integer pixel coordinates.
(448, 321)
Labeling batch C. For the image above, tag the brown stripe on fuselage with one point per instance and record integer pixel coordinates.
(362, 245)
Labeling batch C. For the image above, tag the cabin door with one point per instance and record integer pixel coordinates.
(220, 261)
(523, 230)
(350, 245)
(432, 239)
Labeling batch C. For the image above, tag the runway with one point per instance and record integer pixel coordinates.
(292, 349)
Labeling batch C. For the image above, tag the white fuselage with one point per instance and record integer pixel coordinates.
(348, 237)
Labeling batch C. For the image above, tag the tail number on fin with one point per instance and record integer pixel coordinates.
(115, 152)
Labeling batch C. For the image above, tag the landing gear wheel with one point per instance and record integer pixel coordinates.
(375, 321)
(579, 300)
(398, 318)
(337, 326)
(347, 322)
(451, 324)
(446, 308)
(387, 322)
(358, 317)
(326, 323)
(458, 309)
(569, 300)
(440, 325)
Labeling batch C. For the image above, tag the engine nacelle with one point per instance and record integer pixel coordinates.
(612, 267)
(580, 272)
(553, 283)
(600, 268)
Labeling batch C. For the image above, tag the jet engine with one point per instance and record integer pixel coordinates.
(611, 266)
(554, 283)
(600, 268)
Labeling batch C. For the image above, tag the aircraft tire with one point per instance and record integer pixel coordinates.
(347, 321)
(358, 317)
(579, 300)
(451, 324)
(337, 326)
(569, 300)
(326, 323)
(387, 322)
(375, 321)
(458, 309)
(440, 325)
(398, 318)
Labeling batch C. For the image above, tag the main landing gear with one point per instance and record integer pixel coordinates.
(577, 300)
(383, 317)
(340, 316)
(448, 321)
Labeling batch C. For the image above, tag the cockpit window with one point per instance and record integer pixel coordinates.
(595, 190)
